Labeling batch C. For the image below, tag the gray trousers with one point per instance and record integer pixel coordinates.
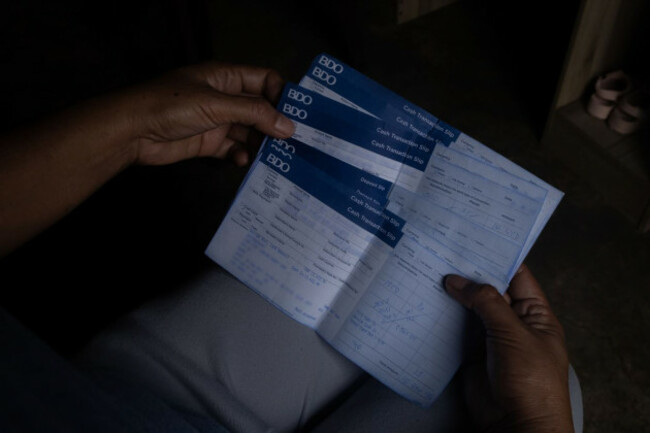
(216, 348)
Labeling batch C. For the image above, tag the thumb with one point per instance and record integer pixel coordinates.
(255, 112)
(484, 300)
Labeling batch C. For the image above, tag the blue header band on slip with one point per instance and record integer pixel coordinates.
(387, 139)
(385, 225)
(346, 175)
(436, 133)
(345, 80)
(375, 98)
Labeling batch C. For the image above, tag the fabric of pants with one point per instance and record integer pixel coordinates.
(40, 391)
(216, 348)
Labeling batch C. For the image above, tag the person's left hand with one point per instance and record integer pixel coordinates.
(205, 110)
(520, 384)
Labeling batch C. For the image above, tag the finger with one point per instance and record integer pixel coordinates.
(234, 150)
(255, 112)
(238, 153)
(255, 138)
(484, 300)
(537, 315)
(273, 87)
(237, 79)
(239, 133)
(241, 158)
(525, 286)
(216, 147)
(246, 143)
(530, 304)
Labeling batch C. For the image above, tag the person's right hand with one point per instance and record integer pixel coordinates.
(204, 110)
(210, 110)
(522, 384)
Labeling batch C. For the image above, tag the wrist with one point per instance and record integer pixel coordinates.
(120, 134)
(52, 165)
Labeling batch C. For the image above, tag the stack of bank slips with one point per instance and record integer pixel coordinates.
(350, 225)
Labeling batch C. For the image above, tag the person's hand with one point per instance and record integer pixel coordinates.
(47, 168)
(205, 110)
(522, 383)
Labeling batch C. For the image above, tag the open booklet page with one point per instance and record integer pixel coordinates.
(350, 226)
(337, 81)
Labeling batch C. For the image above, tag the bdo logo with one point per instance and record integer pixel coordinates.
(300, 97)
(278, 163)
(294, 111)
(324, 76)
(283, 147)
(330, 64)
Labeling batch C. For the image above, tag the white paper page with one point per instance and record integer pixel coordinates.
(477, 150)
(293, 249)
(480, 200)
(469, 193)
(485, 248)
(480, 211)
(406, 331)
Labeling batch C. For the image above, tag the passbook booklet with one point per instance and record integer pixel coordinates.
(350, 225)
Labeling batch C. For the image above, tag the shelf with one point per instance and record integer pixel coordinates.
(606, 36)
(617, 165)
(627, 150)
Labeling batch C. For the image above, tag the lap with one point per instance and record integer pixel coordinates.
(40, 391)
(216, 348)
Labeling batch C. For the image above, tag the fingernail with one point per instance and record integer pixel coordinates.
(455, 282)
(285, 126)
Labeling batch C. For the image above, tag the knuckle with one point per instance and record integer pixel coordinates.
(258, 109)
(231, 77)
(273, 74)
(484, 293)
(532, 307)
(539, 310)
